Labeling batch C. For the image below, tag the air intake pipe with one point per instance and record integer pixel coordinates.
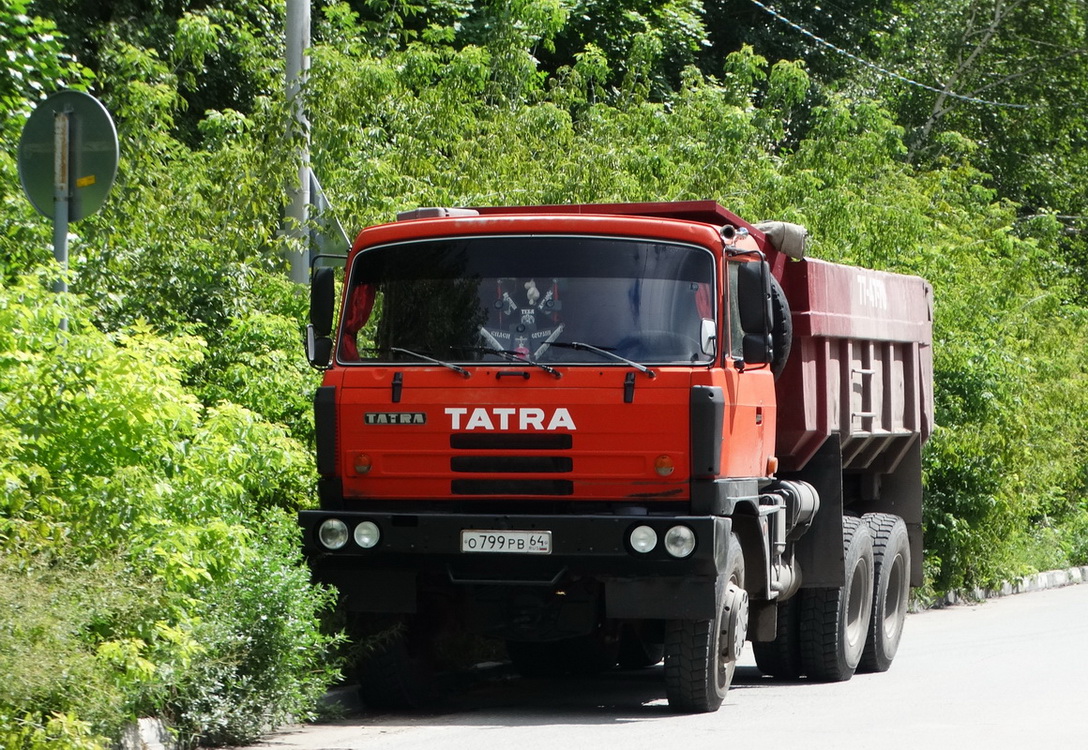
(798, 503)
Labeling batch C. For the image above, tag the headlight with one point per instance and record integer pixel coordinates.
(679, 541)
(332, 533)
(643, 539)
(367, 534)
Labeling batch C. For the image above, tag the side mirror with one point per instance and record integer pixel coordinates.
(319, 332)
(708, 337)
(318, 348)
(322, 300)
(754, 307)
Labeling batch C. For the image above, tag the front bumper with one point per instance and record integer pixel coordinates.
(418, 546)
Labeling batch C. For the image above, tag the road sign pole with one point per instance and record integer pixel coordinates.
(62, 191)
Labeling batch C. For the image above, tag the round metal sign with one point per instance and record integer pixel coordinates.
(91, 159)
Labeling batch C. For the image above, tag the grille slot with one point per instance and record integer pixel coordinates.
(512, 487)
(560, 441)
(512, 464)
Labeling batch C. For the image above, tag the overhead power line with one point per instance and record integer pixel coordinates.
(883, 71)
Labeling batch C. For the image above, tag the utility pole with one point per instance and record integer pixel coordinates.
(298, 65)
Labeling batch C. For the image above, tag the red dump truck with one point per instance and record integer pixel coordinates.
(616, 434)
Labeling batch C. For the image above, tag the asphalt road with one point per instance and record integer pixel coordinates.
(1008, 673)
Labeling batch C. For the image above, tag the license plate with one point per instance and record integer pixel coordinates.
(517, 542)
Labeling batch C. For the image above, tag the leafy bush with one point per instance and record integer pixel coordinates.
(262, 661)
(47, 653)
(35, 732)
(258, 363)
(150, 560)
(1075, 538)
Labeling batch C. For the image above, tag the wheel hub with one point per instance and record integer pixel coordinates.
(735, 631)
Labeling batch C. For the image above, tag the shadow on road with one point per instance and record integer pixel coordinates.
(498, 697)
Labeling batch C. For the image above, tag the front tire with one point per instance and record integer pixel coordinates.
(891, 561)
(701, 655)
(398, 673)
(835, 621)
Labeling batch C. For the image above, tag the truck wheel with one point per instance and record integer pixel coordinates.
(398, 675)
(640, 646)
(781, 657)
(835, 621)
(891, 563)
(701, 655)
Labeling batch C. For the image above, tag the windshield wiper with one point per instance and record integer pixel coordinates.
(461, 370)
(514, 357)
(579, 346)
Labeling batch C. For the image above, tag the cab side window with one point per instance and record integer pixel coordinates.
(736, 333)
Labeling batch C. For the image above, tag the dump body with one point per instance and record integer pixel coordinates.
(561, 423)
(860, 373)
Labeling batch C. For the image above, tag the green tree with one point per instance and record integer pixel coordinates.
(617, 29)
(1029, 61)
(218, 55)
(850, 25)
(33, 63)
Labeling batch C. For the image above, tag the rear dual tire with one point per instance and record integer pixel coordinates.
(834, 623)
(781, 658)
(891, 565)
(828, 648)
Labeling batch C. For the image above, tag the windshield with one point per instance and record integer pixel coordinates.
(515, 298)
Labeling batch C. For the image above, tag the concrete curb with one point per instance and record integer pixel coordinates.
(147, 734)
(1051, 579)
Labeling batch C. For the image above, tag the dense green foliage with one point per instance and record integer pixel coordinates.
(150, 561)
(152, 456)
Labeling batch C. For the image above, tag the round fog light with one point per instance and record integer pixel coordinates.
(680, 541)
(332, 533)
(643, 539)
(362, 464)
(367, 534)
(664, 466)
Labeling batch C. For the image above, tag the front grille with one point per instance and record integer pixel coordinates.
(512, 487)
(512, 464)
(499, 468)
(559, 441)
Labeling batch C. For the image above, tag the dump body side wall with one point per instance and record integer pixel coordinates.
(861, 366)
